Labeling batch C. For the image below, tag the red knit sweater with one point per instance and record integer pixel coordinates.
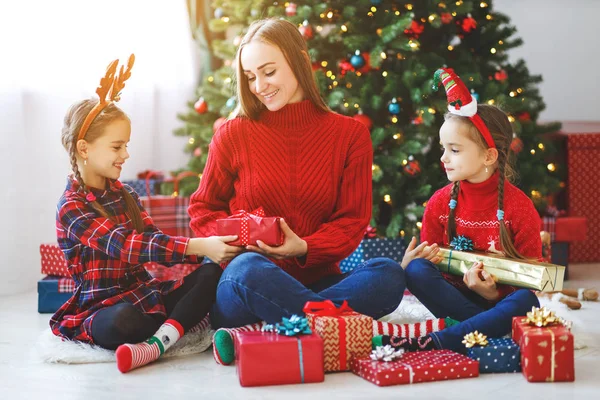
(310, 167)
(475, 217)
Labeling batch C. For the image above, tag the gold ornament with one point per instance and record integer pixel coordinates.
(475, 339)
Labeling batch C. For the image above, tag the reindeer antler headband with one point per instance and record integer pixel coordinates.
(461, 101)
(109, 91)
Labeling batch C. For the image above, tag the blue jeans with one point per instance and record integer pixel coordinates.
(426, 282)
(252, 288)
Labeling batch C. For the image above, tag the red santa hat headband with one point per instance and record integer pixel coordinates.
(460, 100)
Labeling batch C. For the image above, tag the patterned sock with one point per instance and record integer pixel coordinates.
(131, 356)
(200, 326)
(409, 330)
(223, 347)
(421, 343)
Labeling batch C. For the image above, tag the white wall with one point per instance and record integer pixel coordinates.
(562, 43)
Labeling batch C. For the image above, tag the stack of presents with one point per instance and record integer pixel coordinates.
(335, 338)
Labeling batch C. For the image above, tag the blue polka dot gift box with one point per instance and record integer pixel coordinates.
(499, 355)
(373, 248)
(139, 185)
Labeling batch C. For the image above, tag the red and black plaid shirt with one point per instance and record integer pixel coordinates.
(105, 258)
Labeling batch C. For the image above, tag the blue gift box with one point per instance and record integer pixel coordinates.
(373, 248)
(139, 185)
(49, 297)
(500, 355)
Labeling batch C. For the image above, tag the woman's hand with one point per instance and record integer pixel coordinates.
(215, 248)
(481, 282)
(421, 251)
(293, 245)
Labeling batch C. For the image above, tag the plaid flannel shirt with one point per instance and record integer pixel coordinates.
(106, 257)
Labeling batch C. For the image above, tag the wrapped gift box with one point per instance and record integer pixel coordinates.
(373, 248)
(250, 227)
(547, 353)
(141, 188)
(422, 366)
(538, 276)
(53, 260)
(53, 292)
(500, 355)
(265, 358)
(409, 330)
(346, 334)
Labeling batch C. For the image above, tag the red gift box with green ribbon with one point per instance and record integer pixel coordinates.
(346, 334)
(250, 227)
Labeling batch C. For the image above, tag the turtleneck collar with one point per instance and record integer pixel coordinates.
(293, 115)
(480, 196)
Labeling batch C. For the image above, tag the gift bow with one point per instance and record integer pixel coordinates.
(475, 339)
(246, 217)
(327, 308)
(295, 325)
(386, 353)
(542, 317)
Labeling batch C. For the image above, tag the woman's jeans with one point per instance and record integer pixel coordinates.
(252, 288)
(426, 282)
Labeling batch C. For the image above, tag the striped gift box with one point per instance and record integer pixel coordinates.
(408, 330)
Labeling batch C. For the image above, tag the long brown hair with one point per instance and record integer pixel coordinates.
(72, 124)
(284, 35)
(502, 133)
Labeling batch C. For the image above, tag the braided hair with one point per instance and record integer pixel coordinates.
(72, 124)
(502, 133)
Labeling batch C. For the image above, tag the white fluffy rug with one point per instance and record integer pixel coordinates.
(51, 349)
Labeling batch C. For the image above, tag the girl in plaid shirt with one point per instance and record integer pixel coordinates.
(107, 236)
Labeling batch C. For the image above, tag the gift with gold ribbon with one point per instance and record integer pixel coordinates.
(284, 353)
(346, 334)
(521, 273)
(547, 346)
(493, 354)
(250, 227)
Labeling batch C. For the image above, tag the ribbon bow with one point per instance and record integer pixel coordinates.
(475, 339)
(386, 353)
(542, 317)
(327, 308)
(295, 325)
(246, 217)
(461, 243)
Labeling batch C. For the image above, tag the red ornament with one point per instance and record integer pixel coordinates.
(412, 168)
(218, 123)
(364, 119)
(501, 75)
(306, 30)
(446, 18)
(524, 116)
(197, 152)
(415, 30)
(516, 145)
(468, 24)
(417, 120)
(290, 10)
(200, 106)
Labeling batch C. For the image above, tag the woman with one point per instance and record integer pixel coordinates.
(286, 151)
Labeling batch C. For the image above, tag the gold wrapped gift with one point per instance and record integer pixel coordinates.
(521, 273)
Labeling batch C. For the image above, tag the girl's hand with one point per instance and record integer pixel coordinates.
(421, 251)
(215, 248)
(481, 282)
(293, 245)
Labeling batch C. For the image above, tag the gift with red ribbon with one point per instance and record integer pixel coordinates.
(346, 334)
(250, 227)
(547, 347)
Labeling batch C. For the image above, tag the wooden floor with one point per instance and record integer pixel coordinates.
(22, 376)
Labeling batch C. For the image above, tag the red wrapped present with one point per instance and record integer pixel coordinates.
(265, 358)
(409, 330)
(53, 260)
(346, 334)
(422, 366)
(250, 227)
(547, 351)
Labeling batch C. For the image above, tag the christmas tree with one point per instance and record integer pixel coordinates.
(374, 60)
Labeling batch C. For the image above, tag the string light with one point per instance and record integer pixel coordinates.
(387, 198)
(493, 50)
(330, 15)
(397, 12)
(511, 118)
(535, 194)
(551, 167)
(328, 73)
(431, 17)
(532, 151)
(409, 7)
(191, 140)
(500, 42)
(323, 64)
(356, 105)
(512, 94)
(488, 17)
(210, 79)
(225, 19)
(404, 162)
(227, 80)
(394, 120)
(402, 233)
(383, 55)
(450, 48)
(519, 90)
(384, 74)
(431, 110)
(541, 146)
(344, 28)
(374, 9)
(397, 136)
(483, 4)
(349, 85)
(419, 225)
(319, 28)
(332, 77)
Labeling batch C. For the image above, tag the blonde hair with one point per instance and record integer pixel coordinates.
(501, 130)
(69, 137)
(284, 35)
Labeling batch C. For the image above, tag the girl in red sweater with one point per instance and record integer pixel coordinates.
(287, 152)
(482, 206)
